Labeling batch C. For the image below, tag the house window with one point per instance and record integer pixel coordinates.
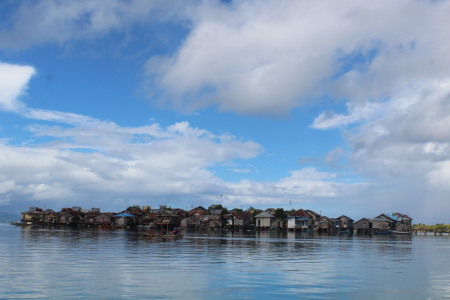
(259, 222)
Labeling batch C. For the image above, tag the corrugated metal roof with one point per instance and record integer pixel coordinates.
(264, 214)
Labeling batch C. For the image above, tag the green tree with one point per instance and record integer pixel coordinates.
(134, 207)
(280, 213)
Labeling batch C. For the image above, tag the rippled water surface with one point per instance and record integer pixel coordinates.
(104, 264)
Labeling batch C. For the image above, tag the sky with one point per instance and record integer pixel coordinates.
(341, 107)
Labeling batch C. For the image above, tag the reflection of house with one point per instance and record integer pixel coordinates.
(363, 226)
(264, 220)
(297, 223)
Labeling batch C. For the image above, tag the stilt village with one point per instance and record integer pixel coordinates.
(216, 217)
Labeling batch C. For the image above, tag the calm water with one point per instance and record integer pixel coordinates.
(102, 264)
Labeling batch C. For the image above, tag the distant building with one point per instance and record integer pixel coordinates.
(264, 220)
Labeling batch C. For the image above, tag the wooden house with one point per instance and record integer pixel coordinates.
(198, 211)
(363, 226)
(90, 218)
(324, 224)
(314, 218)
(104, 219)
(192, 222)
(344, 223)
(213, 221)
(180, 213)
(167, 220)
(49, 217)
(383, 222)
(403, 222)
(33, 215)
(278, 223)
(149, 220)
(69, 217)
(239, 220)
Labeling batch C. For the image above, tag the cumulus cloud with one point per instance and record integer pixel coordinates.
(164, 165)
(111, 162)
(261, 58)
(404, 145)
(268, 57)
(84, 158)
(305, 186)
(388, 61)
(13, 83)
(412, 129)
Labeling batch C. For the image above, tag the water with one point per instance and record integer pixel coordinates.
(47, 263)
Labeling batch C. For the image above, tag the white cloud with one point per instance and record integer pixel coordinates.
(172, 166)
(407, 140)
(176, 164)
(261, 58)
(303, 186)
(13, 83)
(439, 177)
(86, 158)
(268, 57)
(358, 112)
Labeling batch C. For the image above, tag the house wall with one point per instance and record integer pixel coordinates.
(381, 225)
(294, 223)
(27, 217)
(291, 224)
(277, 223)
(362, 225)
(263, 222)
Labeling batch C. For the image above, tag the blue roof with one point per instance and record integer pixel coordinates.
(123, 215)
(299, 218)
(391, 216)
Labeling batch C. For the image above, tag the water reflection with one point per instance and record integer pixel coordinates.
(94, 263)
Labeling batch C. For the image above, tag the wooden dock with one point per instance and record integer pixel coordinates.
(431, 232)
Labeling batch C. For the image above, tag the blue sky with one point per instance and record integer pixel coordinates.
(339, 107)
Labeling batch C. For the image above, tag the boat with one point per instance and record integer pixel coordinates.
(21, 223)
(401, 232)
(172, 236)
(383, 232)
